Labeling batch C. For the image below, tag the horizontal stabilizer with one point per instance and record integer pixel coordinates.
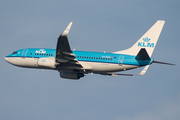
(144, 70)
(122, 74)
(142, 55)
(162, 63)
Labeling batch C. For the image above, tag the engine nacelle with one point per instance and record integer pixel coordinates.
(71, 75)
(46, 62)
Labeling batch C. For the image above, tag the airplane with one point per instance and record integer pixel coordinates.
(73, 64)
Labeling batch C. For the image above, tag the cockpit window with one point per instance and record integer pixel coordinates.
(14, 53)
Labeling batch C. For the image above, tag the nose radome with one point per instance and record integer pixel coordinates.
(7, 59)
(10, 60)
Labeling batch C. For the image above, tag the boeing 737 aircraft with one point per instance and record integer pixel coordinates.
(74, 64)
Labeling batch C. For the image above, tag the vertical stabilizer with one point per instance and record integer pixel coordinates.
(147, 41)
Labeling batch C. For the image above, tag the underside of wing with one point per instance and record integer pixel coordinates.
(65, 59)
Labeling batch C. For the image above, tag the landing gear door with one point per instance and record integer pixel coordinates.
(24, 53)
(120, 61)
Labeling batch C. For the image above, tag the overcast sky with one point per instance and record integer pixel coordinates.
(98, 25)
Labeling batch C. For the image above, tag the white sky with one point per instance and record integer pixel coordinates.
(110, 25)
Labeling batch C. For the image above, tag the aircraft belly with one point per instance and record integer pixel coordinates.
(31, 62)
(108, 67)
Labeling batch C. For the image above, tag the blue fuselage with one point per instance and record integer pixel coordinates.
(85, 56)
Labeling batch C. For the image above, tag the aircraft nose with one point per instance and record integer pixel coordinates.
(7, 59)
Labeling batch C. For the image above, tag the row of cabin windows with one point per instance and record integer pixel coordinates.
(94, 58)
(43, 54)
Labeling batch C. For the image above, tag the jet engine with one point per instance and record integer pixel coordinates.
(71, 75)
(46, 62)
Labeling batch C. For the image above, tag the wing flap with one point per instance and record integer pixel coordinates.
(68, 53)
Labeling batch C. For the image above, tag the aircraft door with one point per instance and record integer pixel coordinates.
(120, 61)
(24, 53)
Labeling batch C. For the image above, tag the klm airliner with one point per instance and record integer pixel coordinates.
(74, 64)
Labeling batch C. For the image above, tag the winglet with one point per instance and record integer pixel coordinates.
(66, 31)
(144, 70)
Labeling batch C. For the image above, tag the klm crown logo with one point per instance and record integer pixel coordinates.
(146, 43)
(146, 39)
(40, 51)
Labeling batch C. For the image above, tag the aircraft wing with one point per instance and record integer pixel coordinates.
(65, 59)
